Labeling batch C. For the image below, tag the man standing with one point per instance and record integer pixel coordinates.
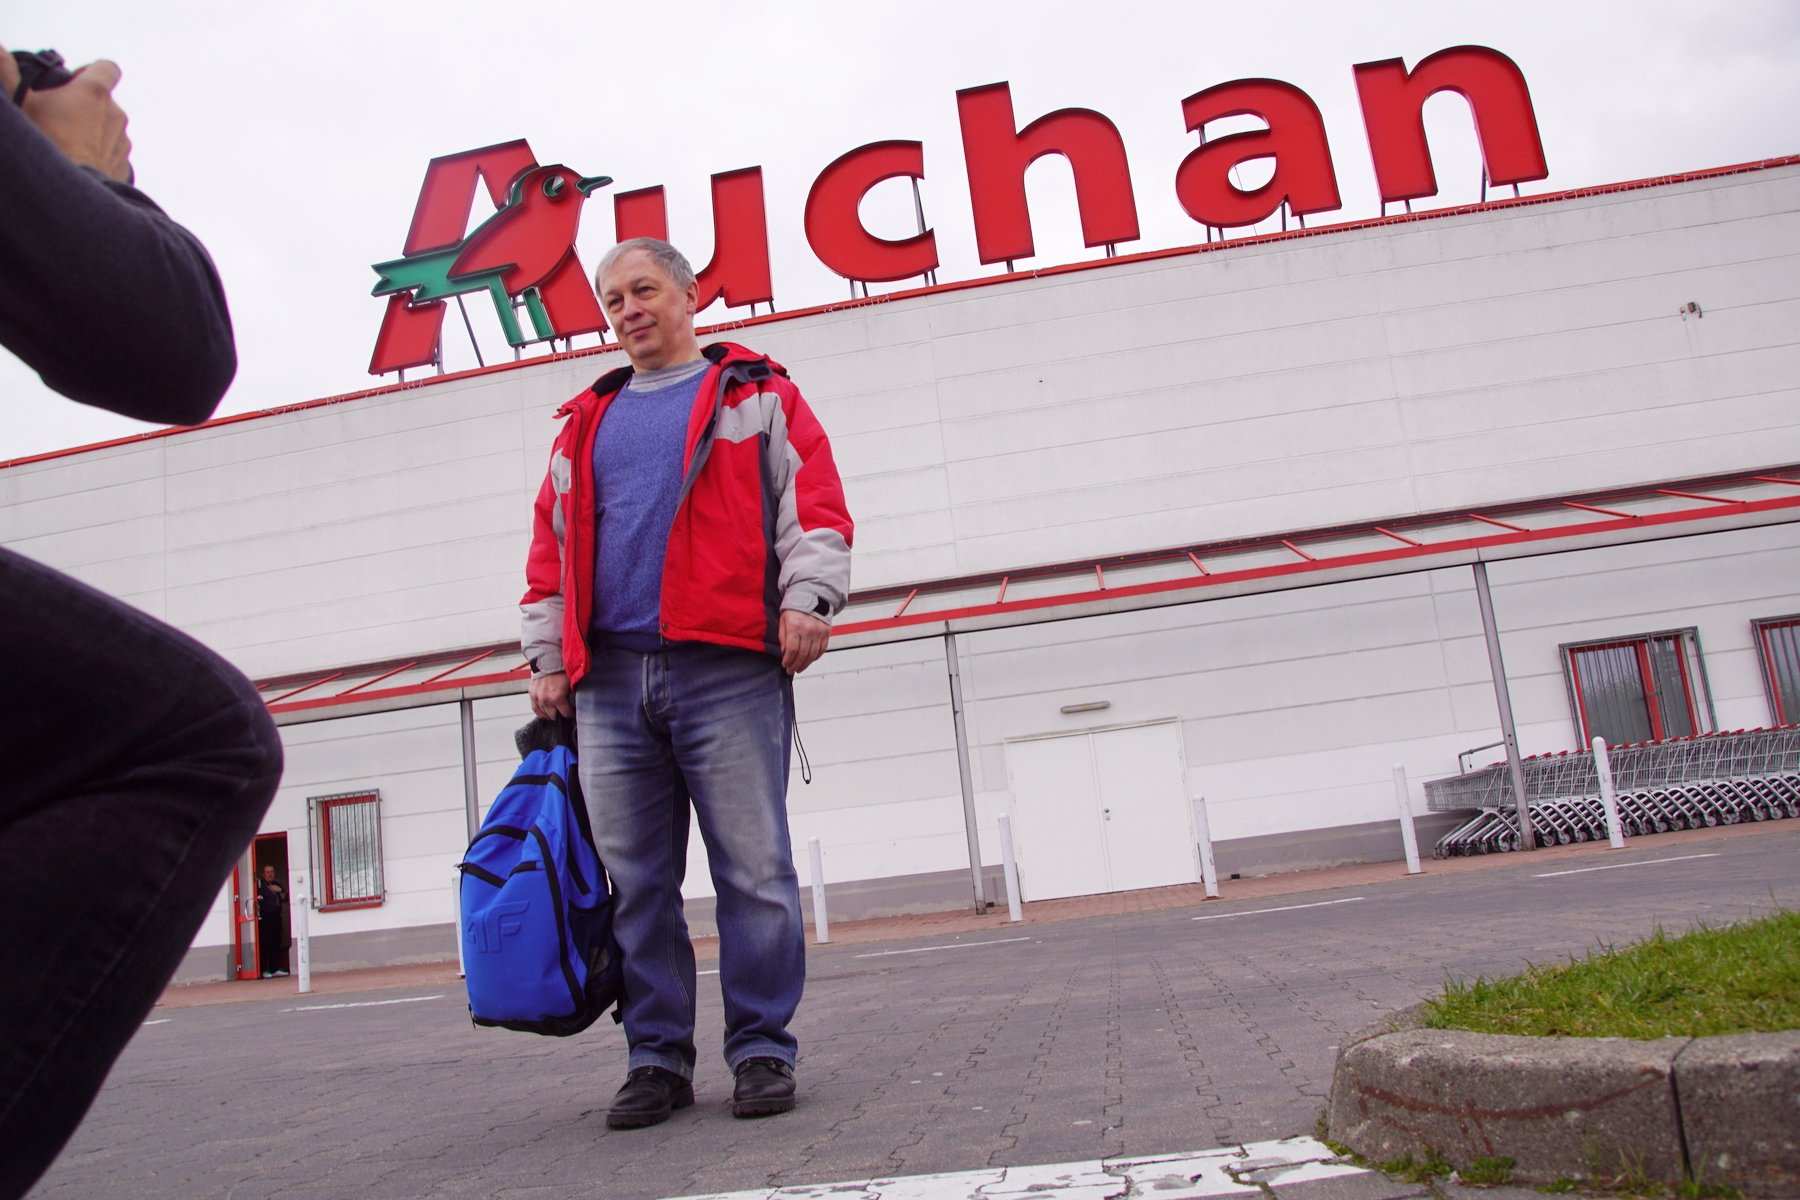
(690, 547)
(271, 930)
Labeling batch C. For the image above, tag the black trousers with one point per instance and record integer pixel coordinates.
(271, 946)
(135, 766)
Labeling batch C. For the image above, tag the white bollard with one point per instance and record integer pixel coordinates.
(1009, 866)
(1609, 795)
(821, 926)
(1209, 874)
(1409, 837)
(462, 971)
(302, 937)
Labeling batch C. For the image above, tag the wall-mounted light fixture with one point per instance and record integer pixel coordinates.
(1090, 706)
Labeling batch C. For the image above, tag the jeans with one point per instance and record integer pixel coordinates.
(135, 766)
(711, 724)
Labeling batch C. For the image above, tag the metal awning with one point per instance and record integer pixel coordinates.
(1309, 558)
(445, 677)
(1122, 583)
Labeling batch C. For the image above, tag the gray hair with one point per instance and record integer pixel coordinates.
(673, 262)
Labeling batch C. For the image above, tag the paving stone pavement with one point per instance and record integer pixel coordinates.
(1178, 1031)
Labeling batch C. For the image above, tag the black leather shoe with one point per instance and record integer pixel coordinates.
(650, 1094)
(765, 1086)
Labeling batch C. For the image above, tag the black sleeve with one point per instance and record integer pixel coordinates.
(108, 300)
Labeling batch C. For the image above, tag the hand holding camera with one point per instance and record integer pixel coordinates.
(75, 110)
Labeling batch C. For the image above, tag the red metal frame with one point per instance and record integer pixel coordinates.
(243, 913)
(1659, 730)
(961, 285)
(364, 690)
(1513, 534)
(1782, 716)
(386, 675)
(308, 686)
(324, 808)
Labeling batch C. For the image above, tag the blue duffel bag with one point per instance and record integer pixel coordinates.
(538, 948)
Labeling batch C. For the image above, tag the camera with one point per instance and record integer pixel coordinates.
(39, 71)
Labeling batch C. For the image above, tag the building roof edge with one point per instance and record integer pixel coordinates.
(953, 286)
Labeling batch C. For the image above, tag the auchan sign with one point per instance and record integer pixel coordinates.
(524, 256)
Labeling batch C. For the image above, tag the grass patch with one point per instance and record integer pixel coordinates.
(1488, 1172)
(1742, 978)
(1432, 1166)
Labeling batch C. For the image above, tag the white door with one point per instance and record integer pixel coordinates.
(1057, 805)
(1101, 812)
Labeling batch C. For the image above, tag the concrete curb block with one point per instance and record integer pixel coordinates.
(1720, 1109)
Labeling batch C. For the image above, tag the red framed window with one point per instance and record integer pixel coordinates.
(1638, 689)
(1778, 638)
(347, 847)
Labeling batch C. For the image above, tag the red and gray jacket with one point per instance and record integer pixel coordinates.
(761, 524)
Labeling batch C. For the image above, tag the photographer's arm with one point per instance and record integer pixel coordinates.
(112, 303)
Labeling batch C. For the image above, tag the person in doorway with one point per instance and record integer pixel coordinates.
(271, 930)
(130, 753)
(691, 545)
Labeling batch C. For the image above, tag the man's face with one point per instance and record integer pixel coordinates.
(269, 874)
(652, 318)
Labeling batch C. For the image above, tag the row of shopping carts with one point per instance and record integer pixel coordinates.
(1581, 818)
(1686, 783)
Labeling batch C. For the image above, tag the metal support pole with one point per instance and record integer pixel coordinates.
(1503, 701)
(821, 924)
(1609, 795)
(970, 830)
(1409, 836)
(302, 937)
(1009, 864)
(471, 786)
(1209, 874)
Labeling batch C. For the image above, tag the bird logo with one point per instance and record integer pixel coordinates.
(525, 250)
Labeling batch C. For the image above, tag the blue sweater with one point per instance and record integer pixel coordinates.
(638, 470)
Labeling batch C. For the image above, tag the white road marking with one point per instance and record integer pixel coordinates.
(1284, 908)
(712, 972)
(1648, 862)
(954, 946)
(160, 1021)
(361, 1004)
(1201, 1176)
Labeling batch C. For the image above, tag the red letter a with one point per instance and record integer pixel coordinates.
(1295, 138)
(997, 157)
(409, 333)
(1495, 89)
(739, 269)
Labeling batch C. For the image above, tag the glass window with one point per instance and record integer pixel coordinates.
(1638, 689)
(347, 842)
(1779, 640)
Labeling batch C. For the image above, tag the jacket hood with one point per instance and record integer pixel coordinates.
(720, 353)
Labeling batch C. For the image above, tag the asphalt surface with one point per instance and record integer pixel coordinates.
(1178, 1030)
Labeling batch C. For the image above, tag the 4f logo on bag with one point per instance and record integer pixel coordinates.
(497, 923)
(523, 256)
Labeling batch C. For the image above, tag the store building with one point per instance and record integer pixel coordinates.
(1202, 522)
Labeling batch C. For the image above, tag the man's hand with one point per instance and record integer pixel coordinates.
(80, 116)
(803, 638)
(551, 696)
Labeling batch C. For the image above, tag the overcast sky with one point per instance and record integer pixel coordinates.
(293, 138)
